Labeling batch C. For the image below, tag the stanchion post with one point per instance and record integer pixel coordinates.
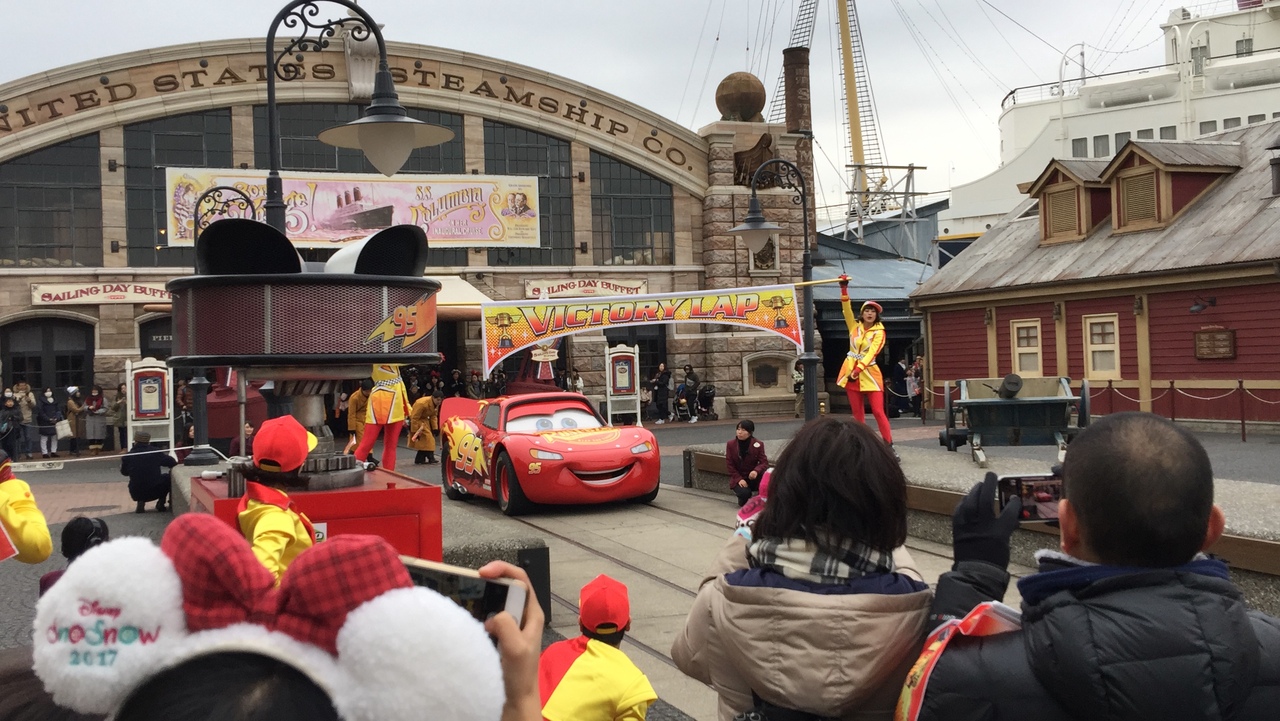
(1173, 403)
(1111, 397)
(1244, 438)
(201, 455)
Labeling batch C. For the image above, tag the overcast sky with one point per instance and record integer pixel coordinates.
(938, 106)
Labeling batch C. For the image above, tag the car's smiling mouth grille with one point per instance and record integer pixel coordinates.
(602, 478)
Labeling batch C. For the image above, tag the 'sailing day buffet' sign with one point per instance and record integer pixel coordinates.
(583, 287)
(97, 293)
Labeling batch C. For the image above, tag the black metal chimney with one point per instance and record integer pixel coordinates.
(1274, 147)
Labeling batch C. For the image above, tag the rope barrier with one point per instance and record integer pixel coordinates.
(116, 456)
(1264, 400)
(1100, 392)
(1127, 398)
(1214, 398)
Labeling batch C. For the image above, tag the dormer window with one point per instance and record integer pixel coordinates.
(1062, 214)
(1154, 181)
(1072, 200)
(1137, 200)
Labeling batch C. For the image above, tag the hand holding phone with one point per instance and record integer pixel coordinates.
(980, 532)
(1040, 493)
(481, 597)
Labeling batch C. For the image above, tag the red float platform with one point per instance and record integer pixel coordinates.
(403, 510)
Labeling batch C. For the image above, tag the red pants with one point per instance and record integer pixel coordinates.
(855, 401)
(390, 438)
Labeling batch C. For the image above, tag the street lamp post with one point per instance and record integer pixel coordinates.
(218, 200)
(385, 133)
(756, 230)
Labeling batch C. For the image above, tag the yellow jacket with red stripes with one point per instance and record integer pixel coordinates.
(388, 401)
(864, 345)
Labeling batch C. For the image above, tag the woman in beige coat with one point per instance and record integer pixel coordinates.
(423, 424)
(822, 611)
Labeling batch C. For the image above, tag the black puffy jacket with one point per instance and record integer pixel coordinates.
(1103, 644)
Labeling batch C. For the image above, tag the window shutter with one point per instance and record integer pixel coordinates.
(1139, 197)
(1063, 214)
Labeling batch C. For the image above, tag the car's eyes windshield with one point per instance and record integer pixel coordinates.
(564, 419)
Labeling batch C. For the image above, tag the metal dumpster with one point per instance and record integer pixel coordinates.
(1013, 411)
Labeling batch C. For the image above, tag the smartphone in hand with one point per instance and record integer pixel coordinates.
(1040, 493)
(481, 597)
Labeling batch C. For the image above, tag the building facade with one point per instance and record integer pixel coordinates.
(627, 197)
(1151, 275)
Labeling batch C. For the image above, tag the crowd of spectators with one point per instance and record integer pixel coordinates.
(813, 609)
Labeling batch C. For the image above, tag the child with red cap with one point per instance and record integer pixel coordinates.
(589, 678)
(277, 530)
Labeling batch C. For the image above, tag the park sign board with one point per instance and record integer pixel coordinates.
(327, 210)
(97, 293)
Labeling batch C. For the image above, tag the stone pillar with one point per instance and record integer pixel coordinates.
(111, 148)
(580, 156)
(242, 142)
(473, 157)
(795, 71)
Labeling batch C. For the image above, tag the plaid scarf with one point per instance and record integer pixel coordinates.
(794, 558)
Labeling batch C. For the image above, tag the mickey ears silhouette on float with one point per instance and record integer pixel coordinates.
(239, 246)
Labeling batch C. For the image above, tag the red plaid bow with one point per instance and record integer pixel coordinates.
(223, 583)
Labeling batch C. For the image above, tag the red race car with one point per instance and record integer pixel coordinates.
(543, 448)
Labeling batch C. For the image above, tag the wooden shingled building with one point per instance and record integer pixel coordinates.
(1159, 267)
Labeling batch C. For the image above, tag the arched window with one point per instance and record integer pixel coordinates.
(509, 150)
(47, 353)
(632, 214)
(51, 206)
(300, 149)
(196, 140)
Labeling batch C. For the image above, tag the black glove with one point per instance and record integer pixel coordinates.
(977, 533)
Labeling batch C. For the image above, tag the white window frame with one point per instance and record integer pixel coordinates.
(1015, 350)
(1090, 348)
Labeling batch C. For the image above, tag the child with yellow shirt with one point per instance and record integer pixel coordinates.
(276, 529)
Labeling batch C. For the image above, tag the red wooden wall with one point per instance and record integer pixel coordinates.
(959, 344)
(1248, 310)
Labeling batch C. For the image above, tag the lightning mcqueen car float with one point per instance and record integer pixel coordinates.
(543, 448)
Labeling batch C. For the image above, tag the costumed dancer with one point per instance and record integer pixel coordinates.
(276, 529)
(21, 519)
(859, 374)
(423, 425)
(357, 408)
(388, 407)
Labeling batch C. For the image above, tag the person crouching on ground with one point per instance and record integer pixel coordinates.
(822, 612)
(589, 678)
(745, 456)
(79, 535)
(275, 527)
(145, 466)
(20, 518)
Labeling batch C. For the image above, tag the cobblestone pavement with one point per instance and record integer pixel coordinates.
(20, 583)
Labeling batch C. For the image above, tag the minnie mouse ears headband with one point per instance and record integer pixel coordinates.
(346, 615)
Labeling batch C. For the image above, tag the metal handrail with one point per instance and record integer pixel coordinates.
(1044, 91)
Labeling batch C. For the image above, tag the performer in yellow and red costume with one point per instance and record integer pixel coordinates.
(859, 374)
(22, 521)
(388, 406)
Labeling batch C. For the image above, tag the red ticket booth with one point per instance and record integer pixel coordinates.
(403, 510)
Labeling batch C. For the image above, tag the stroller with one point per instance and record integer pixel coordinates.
(707, 402)
(683, 411)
